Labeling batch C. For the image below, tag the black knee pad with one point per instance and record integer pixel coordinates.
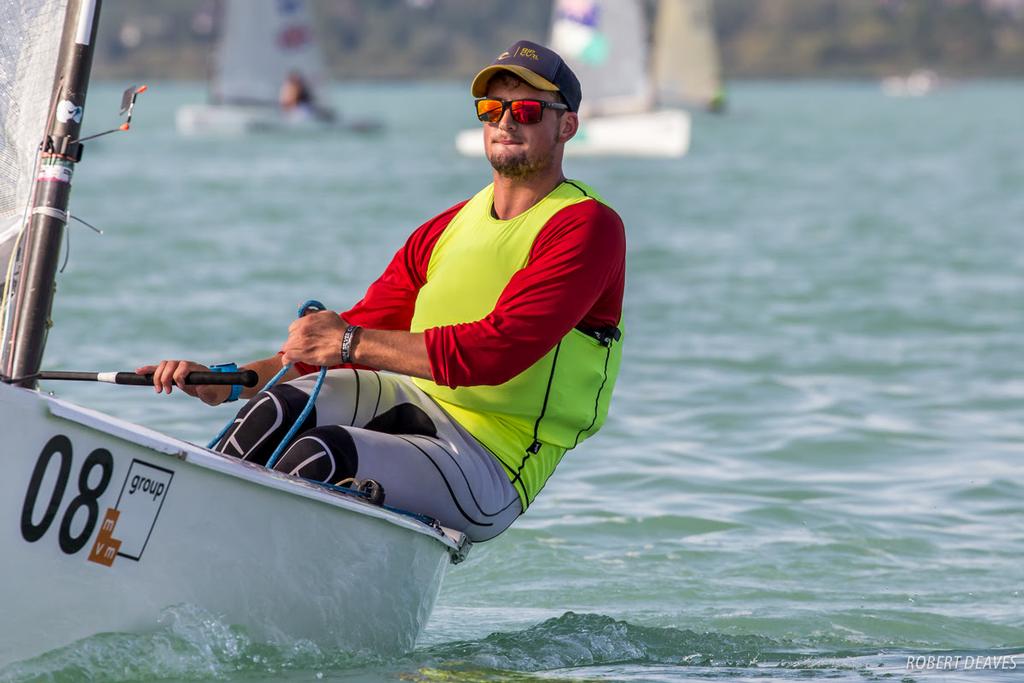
(323, 454)
(264, 421)
(404, 418)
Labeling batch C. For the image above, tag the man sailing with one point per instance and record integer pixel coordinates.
(487, 349)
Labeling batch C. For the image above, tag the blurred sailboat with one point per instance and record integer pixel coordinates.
(632, 101)
(686, 66)
(918, 83)
(268, 74)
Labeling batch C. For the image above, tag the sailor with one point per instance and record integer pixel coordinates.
(294, 92)
(297, 102)
(487, 349)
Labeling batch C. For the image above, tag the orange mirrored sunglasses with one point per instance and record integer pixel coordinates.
(490, 110)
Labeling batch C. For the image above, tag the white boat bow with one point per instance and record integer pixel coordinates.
(110, 523)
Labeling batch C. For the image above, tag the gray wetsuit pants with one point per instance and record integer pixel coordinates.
(380, 426)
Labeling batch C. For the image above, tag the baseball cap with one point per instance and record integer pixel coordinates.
(537, 65)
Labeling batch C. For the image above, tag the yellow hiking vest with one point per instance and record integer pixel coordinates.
(531, 420)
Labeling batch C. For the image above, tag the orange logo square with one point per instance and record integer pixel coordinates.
(104, 550)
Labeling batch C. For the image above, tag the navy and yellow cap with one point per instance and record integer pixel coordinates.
(537, 65)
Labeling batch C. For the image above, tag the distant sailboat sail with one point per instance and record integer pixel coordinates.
(261, 43)
(686, 64)
(605, 44)
(31, 32)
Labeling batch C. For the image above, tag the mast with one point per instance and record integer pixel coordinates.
(59, 153)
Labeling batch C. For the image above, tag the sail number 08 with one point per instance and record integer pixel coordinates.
(88, 496)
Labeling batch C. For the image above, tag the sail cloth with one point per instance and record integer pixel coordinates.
(31, 31)
(261, 43)
(686, 64)
(605, 44)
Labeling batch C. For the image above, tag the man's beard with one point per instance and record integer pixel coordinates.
(520, 166)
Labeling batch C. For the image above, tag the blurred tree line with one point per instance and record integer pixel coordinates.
(451, 38)
(779, 38)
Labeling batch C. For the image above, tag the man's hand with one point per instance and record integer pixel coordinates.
(170, 373)
(315, 339)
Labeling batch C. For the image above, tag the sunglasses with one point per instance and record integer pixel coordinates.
(490, 110)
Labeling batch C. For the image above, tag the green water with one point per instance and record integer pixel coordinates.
(812, 468)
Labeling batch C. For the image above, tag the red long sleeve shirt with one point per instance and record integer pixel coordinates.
(575, 275)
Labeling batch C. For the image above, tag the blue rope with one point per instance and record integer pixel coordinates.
(276, 455)
(311, 304)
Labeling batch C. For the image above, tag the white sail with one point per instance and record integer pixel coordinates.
(686, 63)
(261, 43)
(31, 31)
(605, 44)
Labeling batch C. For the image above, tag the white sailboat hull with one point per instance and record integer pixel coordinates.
(662, 133)
(220, 120)
(285, 559)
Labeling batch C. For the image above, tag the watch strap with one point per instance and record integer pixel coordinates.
(346, 343)
(236, 389)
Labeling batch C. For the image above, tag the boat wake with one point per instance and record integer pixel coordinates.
(191, 644)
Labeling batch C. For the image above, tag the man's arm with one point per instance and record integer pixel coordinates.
(172, 373)
(316, 339)
(390, 301)
(266, 369)
(393, 350)
(575, 274)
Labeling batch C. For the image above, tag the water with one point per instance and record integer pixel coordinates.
(812, 465)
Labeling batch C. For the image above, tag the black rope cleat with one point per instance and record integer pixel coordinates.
(373, 491)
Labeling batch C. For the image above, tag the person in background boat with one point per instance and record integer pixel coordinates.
(296, 100)
(487, 349)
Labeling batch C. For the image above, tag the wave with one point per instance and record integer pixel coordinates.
(574, 640)
(191, 644)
